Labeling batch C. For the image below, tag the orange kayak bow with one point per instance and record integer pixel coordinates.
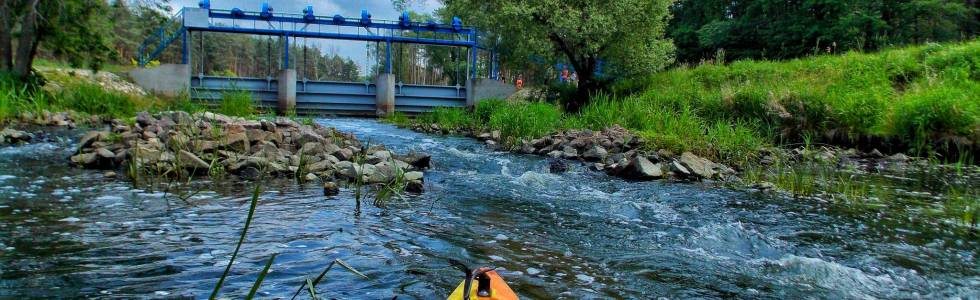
(489, 285)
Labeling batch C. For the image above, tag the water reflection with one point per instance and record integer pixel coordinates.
(73, 233)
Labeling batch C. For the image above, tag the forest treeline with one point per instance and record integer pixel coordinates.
(780, 29)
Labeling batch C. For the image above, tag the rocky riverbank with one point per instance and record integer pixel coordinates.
(613, 150)
(620, 153)
(181, 144)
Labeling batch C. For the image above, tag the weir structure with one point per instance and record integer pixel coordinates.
(287, 93)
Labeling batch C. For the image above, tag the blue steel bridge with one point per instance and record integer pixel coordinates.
(286, 92)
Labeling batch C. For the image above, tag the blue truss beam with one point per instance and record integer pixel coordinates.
(347, 22)
(340, 36)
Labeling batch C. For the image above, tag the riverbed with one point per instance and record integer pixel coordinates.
(67, 232)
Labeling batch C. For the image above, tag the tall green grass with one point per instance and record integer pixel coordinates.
(237, 103)
(917, 99)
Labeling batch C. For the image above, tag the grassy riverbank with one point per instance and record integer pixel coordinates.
(62, 93)
(919, 100)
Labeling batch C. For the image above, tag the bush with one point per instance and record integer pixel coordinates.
(237, 103)
(518, 121)
(93, 99)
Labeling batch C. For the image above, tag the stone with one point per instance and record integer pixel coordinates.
(268, 125)
(898, 158)
(250, 173)
(330, 148)
(145, 119)
(495, 135)
(311, 177)
(595, 153)
(308, 136)
(13, 136)
(192, 162)
(414, 175)
(215, 118)
(679, 169)
(320, 166)
(483, 136)
(330, 188)
(344, 154)
(875, 154)
(382, 172)
(109, 174)
(237, 142)
(84, 159)
(416, 187)
(181, 117)
(91, 137)
(555, 154)
(417, 160)
(348, 169)
(311, 149)
(699, 166)
(569, 152)
(104, 153)
(378, 157)
(641, 168)
(204, 145)
(557, 166)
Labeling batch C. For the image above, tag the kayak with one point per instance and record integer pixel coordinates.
(496, 289)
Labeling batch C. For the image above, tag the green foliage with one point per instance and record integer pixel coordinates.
(518, 121)
(775, 29)
(627, 34)
(448, 118)
(238, 103)
(93, 99)
(915, 98)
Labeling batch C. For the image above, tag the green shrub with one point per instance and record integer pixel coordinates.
(448, 118)
(237, 103)
(525, 120)
(933, 116)
(93, 99)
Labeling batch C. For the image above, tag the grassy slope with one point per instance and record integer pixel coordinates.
(912, 99)
(92, 99)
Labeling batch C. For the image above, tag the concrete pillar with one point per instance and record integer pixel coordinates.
(471, 99)
(385, 94)
(167, 79)
(287, 91)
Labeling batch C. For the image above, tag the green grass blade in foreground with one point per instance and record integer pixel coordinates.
(312, 290)
(241, 240)
(349, 268)
(258, 281)
(315, 281)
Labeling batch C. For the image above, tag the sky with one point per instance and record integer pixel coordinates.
(356, 51)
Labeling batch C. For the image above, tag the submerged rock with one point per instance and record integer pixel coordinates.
(557, 166)
(698, 166)
(167, 141)
(642, 168)
(13, 136)
(330, 188)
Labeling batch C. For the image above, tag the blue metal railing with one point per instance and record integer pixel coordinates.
(154, 45)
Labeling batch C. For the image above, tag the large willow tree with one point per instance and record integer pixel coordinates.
(628, 35)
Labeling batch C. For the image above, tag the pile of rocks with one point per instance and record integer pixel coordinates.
(12, 136)
(208, 143)
(618, 152)
(59, 119)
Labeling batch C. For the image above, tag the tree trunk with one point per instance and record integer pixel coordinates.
(6, 26)
(27, 44)
(588, 84)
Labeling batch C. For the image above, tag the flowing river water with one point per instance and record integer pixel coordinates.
(67, 232)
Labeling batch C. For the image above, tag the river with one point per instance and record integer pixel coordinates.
(67, 232)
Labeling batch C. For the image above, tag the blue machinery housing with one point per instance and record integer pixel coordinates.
(322, 97)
